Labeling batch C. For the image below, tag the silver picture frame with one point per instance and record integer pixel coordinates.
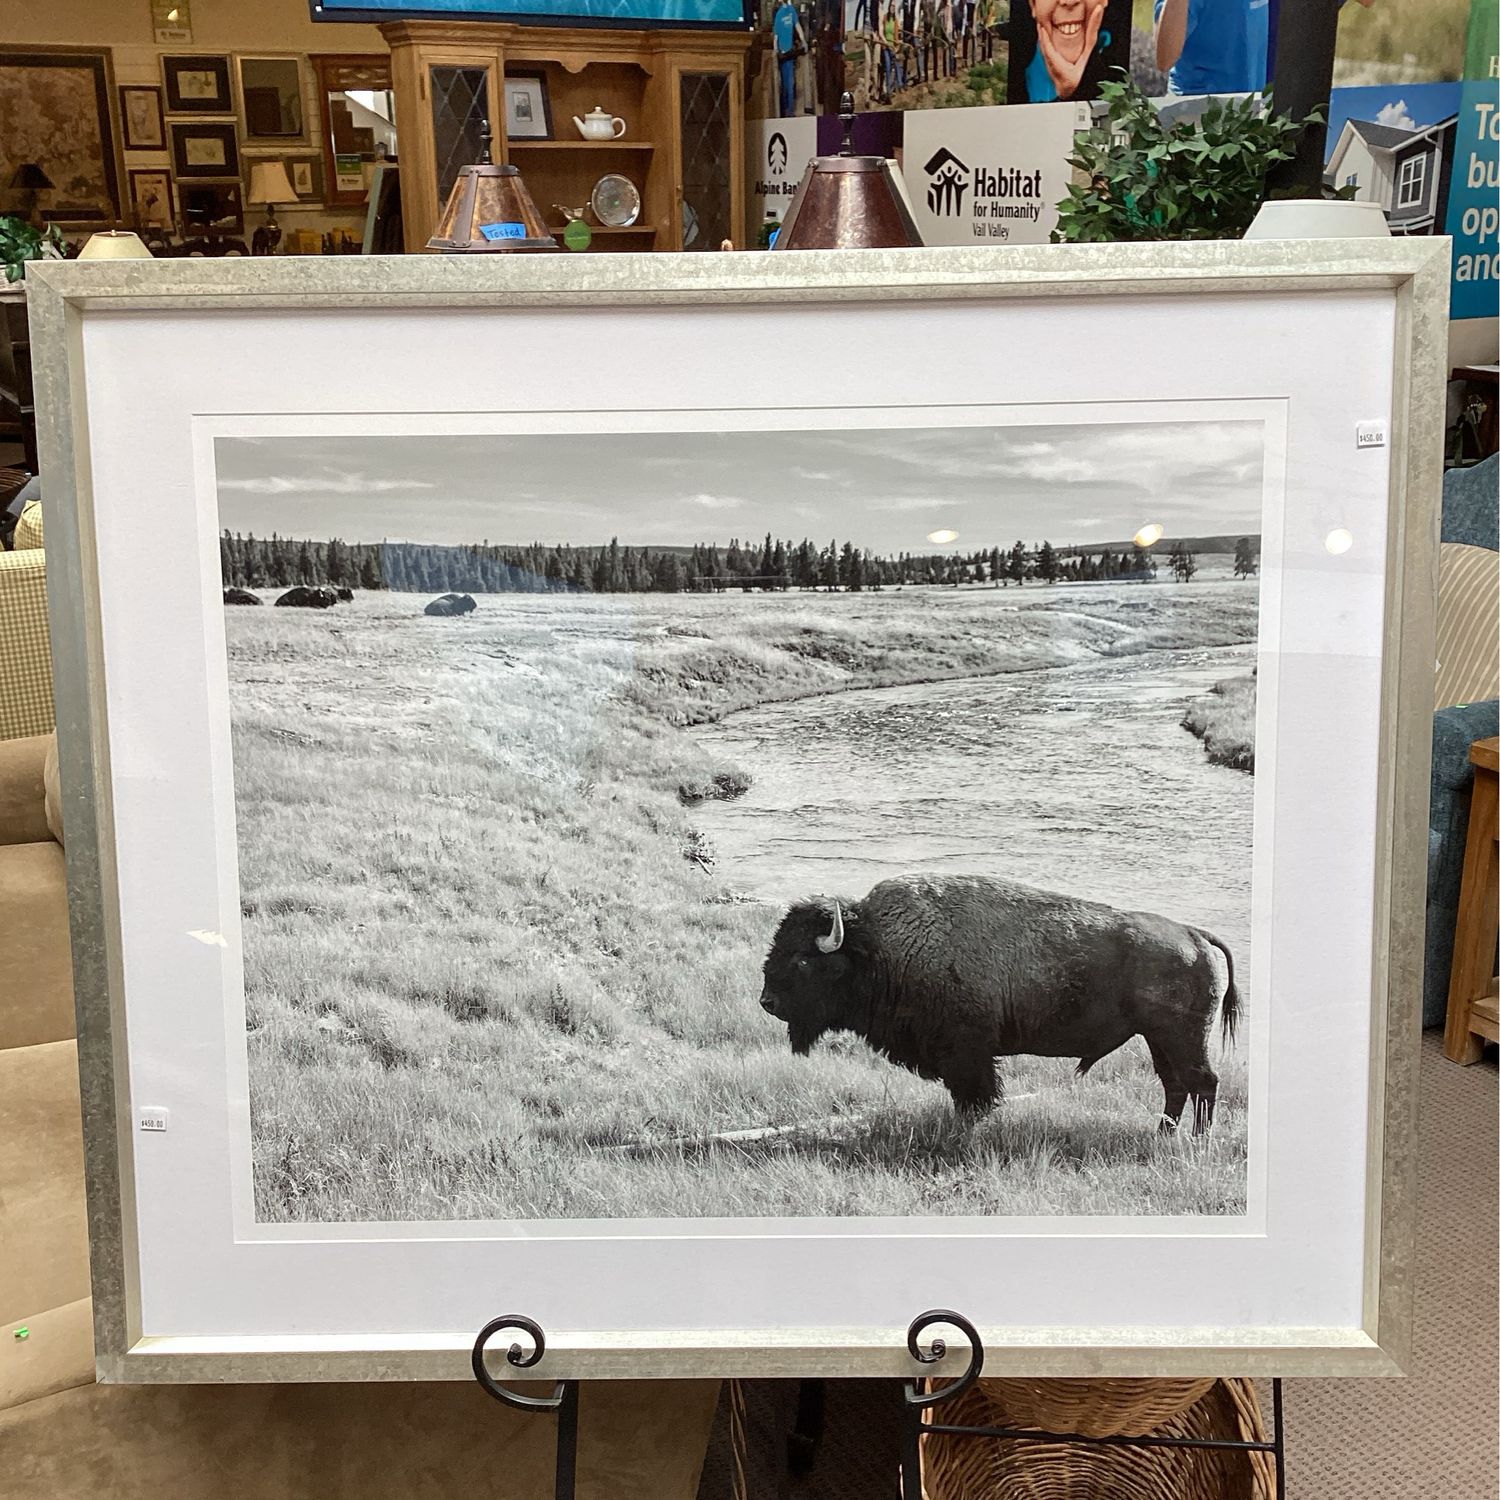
(1413, 272)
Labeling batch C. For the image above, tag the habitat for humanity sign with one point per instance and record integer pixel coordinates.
(989, 176)
(777, 155)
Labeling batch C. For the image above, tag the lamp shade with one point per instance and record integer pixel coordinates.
(270, 184)
(1318, 219)
(848, 202)
(115, 244)
(490, 210)
(29, 178)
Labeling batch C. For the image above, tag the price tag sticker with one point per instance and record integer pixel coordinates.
(504, 231)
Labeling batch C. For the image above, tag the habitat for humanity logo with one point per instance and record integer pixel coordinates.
(947, 182)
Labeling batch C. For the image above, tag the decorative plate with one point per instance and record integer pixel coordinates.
(616, 201)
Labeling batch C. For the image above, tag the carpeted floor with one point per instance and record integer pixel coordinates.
(1431, 1436)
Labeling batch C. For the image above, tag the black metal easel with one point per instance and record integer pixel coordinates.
(916, 1403)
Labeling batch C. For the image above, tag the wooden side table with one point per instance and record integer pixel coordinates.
(1474, 989)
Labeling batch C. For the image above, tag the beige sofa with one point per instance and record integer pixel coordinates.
(62, 1437)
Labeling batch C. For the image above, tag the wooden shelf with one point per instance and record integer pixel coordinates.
(597, 229)
(581, 145)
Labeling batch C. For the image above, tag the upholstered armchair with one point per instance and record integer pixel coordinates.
(1467, 706)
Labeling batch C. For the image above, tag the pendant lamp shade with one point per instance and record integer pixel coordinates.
(489, 210)
(848, 202)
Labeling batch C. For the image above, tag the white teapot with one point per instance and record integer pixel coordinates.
(599, 125)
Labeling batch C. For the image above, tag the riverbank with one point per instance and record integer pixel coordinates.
(1224, 719)
(490, 972)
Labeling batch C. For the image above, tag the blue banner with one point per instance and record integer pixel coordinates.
(598, 12)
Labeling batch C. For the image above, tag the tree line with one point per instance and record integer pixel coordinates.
(774, 565)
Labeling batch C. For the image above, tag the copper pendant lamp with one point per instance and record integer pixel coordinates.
(489, 210)
(848, 202)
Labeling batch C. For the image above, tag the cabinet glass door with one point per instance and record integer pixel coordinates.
(707, 204)
(460, 109)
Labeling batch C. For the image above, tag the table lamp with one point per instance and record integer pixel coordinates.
(848, 202)
(115, 244)
(29, 179)
(489, 210)
(269, 185)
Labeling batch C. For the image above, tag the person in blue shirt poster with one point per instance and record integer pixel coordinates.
(786, 31)
(1213, 46)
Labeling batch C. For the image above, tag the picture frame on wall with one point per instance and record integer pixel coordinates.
(528, 106)
(620, 855)
(271, 103)
(205, 148)
(197, 84)
(56, 113)
(211, 208)
(141, 120)
(152, 203)
(304, 170)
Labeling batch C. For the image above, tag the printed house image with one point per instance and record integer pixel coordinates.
(1402, 170)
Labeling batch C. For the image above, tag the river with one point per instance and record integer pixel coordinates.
(1078, 779)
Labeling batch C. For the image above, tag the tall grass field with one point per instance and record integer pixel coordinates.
(494, 969)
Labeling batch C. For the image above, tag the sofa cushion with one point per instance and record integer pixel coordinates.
(36, 971)
(23, 790)
(25, 647)
(1468, 625)
(52, 788)
(397, 1440)
(44, 1249)
(28, 535)
(55, 1354)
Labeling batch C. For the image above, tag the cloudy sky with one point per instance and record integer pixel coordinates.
(886, 489)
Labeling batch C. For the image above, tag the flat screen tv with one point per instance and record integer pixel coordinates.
(667, 13)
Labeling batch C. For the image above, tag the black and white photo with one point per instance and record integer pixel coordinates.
(757, 824)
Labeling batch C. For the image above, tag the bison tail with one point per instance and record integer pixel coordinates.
(1230, 1018)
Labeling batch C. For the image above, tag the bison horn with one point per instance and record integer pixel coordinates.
(835, 939)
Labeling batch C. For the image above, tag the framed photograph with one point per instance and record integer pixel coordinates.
(213, 208)
(528, 108)
(141, 118)
(271, 103)
(790, 857)
(205, 148)
(55, 115)
(151, 200)
(197, 85)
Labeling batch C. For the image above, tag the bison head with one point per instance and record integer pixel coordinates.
(808, 972)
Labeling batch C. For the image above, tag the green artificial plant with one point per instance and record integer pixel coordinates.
(21, 241)
(1198, 179)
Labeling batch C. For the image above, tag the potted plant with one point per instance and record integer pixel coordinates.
(1188, 179)
(21, 241)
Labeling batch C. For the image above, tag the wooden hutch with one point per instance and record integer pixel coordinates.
(681, 94)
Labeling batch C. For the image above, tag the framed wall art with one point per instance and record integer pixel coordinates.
(304, 171)
(528, 107)
(211, 207)
(197, 85)
(796, 853)
(141, 119)
(205, 148)
(151, 199)
(55, 114)
(271, 103)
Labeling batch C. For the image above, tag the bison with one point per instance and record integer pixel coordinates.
(451, 604)
(303, 597)
(945, 974)
(240, 596)
(344, 596)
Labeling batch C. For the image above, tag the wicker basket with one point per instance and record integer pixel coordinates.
(956, 1468)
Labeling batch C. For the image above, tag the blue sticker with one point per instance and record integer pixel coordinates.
(507, 231)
